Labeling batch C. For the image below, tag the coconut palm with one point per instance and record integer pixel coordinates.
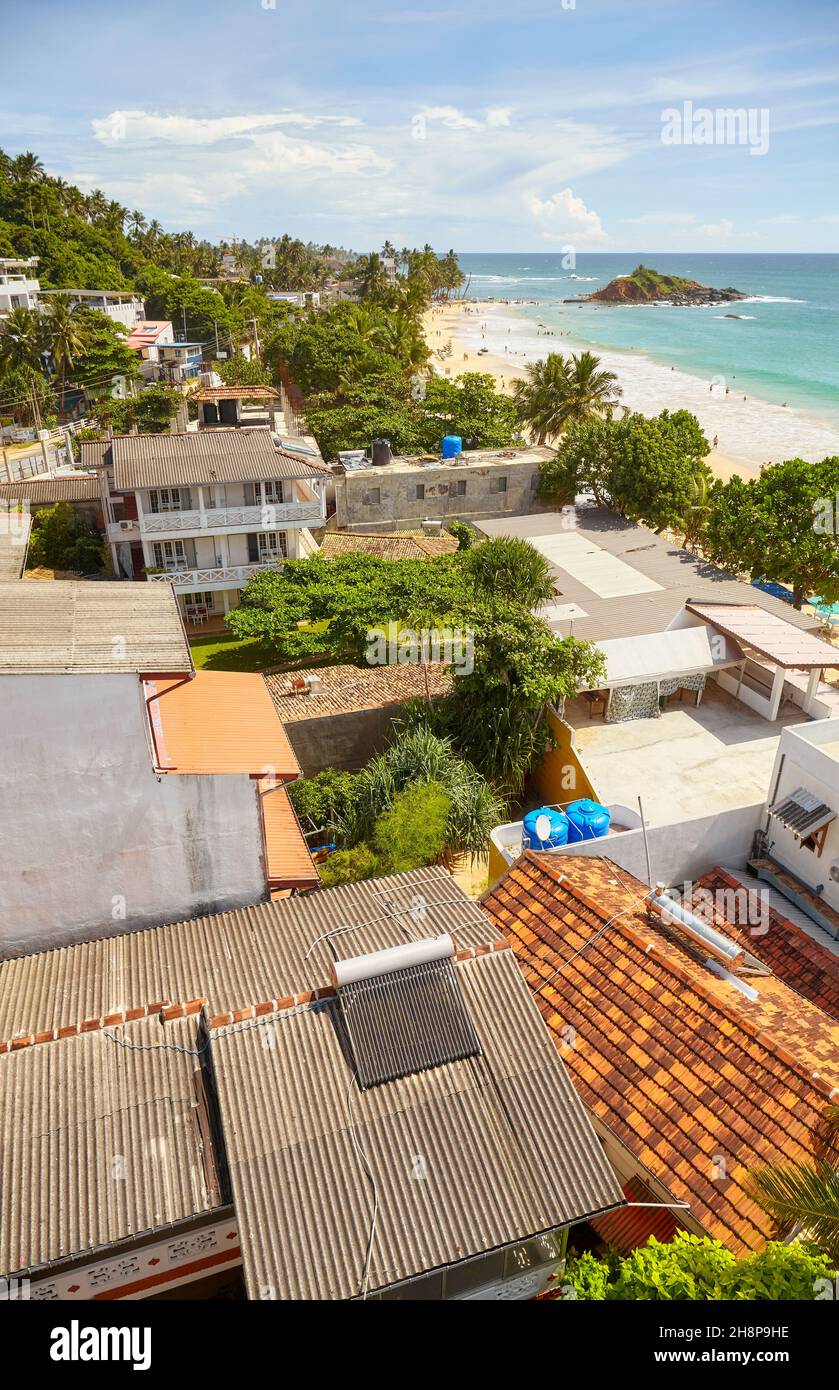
(559, 392)
(27, 168)
(136, 223)
(66, 335)
(804, 1197)
(21, 340)
(97, 205)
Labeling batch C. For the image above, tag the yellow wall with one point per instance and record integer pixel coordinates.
(561, 776)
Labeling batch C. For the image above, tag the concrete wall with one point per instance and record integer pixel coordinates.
(399, 507)
(682, 852)
(345, 741)
(92, 841)
(801, 762)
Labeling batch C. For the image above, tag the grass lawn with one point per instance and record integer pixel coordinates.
(218, 652)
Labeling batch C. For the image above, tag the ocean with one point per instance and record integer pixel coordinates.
(782, 348)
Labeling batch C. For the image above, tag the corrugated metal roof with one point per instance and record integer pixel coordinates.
(64, 488)
(205, 456)
(770, 634)
(15, 527)
(100, 1142)
(681, 576)
(803, 813)
(219, 722)
(288, 860)
(466, 1157)
(76, 626)
(235, 958)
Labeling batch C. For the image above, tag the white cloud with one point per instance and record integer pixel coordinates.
(122, 126)
(498, 116)
(565, 217)
(718, 231)
(450, 117)
(661, 219)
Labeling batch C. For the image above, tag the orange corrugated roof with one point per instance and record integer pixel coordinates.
(220, 721)
(290, 864)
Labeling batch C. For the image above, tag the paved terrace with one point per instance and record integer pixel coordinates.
(689, 763)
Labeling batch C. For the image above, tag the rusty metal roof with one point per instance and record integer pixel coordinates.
(768, 634)
(235, 393)
(201, 456)
(84, 487)
(87, 626)
(102, 1137)
(461, 1159)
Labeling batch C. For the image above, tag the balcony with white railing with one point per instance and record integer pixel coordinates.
(234, 519)
(216, 577)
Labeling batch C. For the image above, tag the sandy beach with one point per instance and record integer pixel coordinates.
(750, 432)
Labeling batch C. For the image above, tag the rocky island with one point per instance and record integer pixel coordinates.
(646, 286)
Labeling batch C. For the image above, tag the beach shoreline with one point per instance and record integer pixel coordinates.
(751, 432)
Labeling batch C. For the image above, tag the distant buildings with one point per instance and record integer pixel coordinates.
(132, 791)
(207, 509)
(122, 306)
(403, 492)
(302, 299)
(19, 284)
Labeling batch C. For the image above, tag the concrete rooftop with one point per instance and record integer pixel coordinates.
(689, 763)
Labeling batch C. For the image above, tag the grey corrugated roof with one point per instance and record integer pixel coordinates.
(681, 575)
(466, 1157)
(66, 488)
(77, 626)
(235, 958)
(202, 456)
(14, 541)
(99, 1142)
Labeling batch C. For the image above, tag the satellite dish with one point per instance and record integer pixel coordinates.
(543, 827)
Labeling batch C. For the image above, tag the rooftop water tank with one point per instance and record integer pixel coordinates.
(544, 828)
(452, 446)
(381, 454)
(587, 820)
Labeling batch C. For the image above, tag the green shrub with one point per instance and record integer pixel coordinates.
(349, 866)
(414, 830)
(326, 800)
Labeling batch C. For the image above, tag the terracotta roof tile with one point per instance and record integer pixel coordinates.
(681, 1066)
(348, 689)
(395, 545)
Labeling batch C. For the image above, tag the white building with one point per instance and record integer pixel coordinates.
(206, 510)
(19, 284)
(301, 299)
(132, 791)
(123, 306)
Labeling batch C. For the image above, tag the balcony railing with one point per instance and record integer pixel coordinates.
(223, 576)
(224, 518)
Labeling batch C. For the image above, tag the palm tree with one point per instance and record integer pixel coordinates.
(96, 204)
(804, 1196)
(21, 339)
(559, 392)
(66, 335)
(27, 168)
(695, 521)
(540, 397)
(372, 276)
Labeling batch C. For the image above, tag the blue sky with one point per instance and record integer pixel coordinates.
(487, 125)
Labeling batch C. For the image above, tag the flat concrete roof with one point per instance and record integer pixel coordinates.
(471, 458)
(623, 580)
(691, 762)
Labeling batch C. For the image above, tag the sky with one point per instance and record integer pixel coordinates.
(483, 125)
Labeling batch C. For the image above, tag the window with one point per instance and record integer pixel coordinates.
(169, 555)
(498, 484)
(169, 499)
(373, 497)
(458, 489)
(272, 546)
(420, 493)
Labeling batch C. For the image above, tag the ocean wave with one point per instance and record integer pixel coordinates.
(530, 279)
(771, 299)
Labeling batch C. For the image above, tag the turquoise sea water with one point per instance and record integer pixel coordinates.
(784, 348)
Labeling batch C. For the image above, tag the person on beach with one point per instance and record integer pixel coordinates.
(715, 443)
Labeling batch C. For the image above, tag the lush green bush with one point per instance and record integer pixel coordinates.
(349, 866)
(326, 800)
(414, 829)
(61, 539)
(697, 1268)
(463, 534)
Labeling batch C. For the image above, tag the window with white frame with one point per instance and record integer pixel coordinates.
(169, 499)
(169, 555)
(272, 545)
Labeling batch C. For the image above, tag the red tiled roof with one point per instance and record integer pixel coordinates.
(628, 1227)
(680, 1066)
(394, 545)
(350, 689)
(794, 957)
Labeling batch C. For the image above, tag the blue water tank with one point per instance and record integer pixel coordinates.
(452, 446)
(557, 833)
(587, 820)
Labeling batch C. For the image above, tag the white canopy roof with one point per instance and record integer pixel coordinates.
(662, 655)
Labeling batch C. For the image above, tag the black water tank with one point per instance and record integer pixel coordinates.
(381, 453)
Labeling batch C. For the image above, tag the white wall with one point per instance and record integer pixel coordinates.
(86, 824)
(800, 762)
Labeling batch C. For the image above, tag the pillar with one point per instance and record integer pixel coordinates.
(777, 692)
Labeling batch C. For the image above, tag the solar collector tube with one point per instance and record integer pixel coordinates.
(347, 972)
